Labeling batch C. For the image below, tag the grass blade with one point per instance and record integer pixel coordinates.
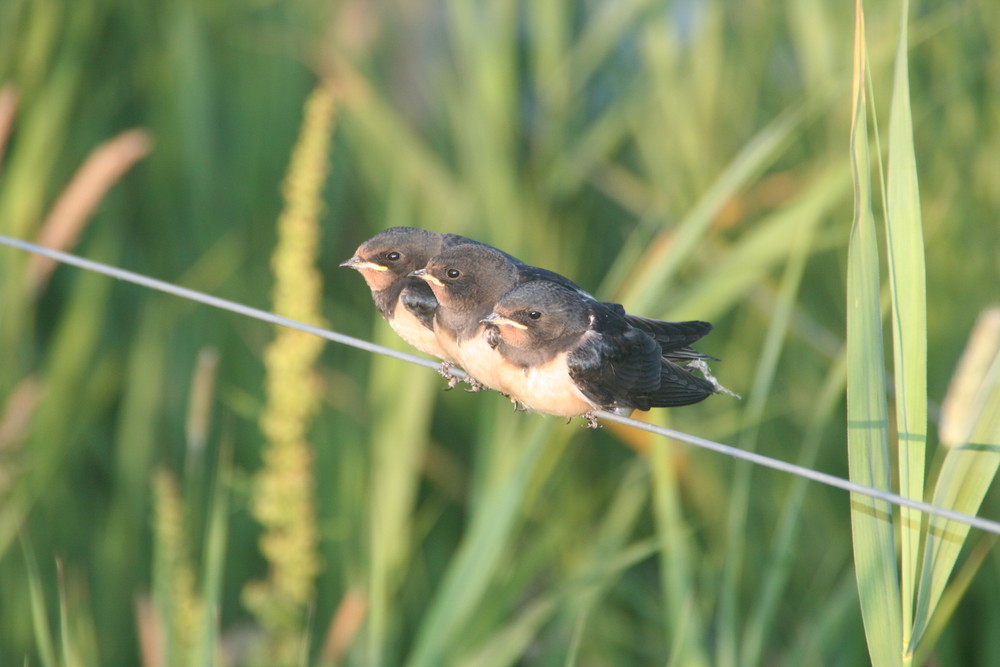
(39, 615)
(950, 599)
(775, 579)
(867, 413)
(511, 641)
(968, 469)
(678, 574)
(214, 559)
(402, 399)
(760, 249)
(658, 267)
(477, 558)
(70, 650)
(905, 249)
(730, 623)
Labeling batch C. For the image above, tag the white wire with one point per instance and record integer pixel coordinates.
(986, 525)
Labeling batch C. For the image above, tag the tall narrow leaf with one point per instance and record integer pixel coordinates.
(968, 469)
(905, 248)
(867, 418)
(39, 615)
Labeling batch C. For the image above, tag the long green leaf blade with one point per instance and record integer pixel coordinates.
(867, 414)
(39, 615)
(968, 470)
(905, 248)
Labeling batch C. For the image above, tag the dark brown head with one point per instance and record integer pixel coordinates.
(470, 278)
(540, 313)
(390, 256)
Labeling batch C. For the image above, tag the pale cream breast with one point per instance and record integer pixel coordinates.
(416, 334)
(480, 360)
(546, 388)
(447, 345)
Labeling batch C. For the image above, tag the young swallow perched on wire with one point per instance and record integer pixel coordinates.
(469, 280)
(407, 303)
(568, 355)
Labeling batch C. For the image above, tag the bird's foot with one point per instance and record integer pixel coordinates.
(591, 420)
(702, 366)
(445, 371)
(518, 405)
(474, 385)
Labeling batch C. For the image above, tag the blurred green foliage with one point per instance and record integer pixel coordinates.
(689, 159)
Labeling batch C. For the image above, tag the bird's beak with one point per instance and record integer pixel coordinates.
(499, 320)
(422, 273)
(359, 264)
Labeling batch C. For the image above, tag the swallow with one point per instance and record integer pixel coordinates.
(468, 281)
(564, 354)
(386, 262)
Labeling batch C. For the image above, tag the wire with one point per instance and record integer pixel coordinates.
(225, 304)
(986, 525)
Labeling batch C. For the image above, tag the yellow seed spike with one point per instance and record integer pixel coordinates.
(283, 497)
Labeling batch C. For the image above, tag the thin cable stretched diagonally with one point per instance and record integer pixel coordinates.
(986, 525)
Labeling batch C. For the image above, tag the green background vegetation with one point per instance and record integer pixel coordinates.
(688, 159)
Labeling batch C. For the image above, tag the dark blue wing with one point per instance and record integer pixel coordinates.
(616, 365)
(679, 386)
(674, 337)
(619, 365)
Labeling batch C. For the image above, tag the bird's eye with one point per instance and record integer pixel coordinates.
(392, 256)
(534, 314)
(454, 273)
